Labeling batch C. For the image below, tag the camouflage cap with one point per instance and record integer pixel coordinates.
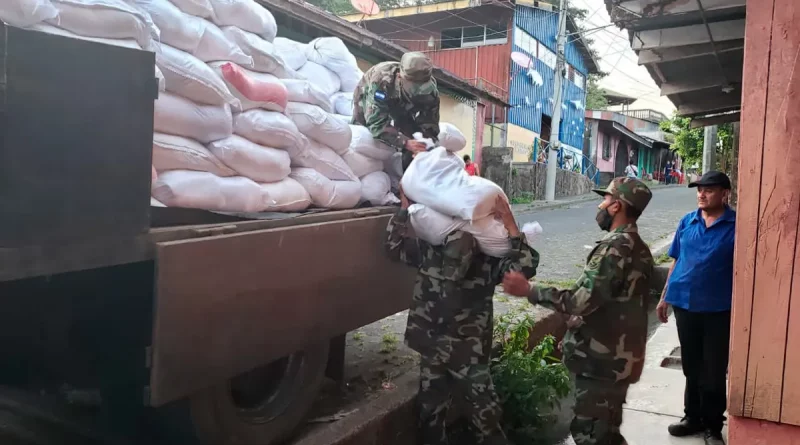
(628, 190)
(416, 68)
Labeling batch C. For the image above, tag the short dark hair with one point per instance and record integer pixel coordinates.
(466, 158)
(632, 212)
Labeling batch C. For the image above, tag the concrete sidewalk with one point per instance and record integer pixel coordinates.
(564, 202)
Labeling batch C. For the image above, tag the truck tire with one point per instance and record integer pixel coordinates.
(263, 406)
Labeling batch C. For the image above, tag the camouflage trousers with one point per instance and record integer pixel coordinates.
(598, 412)
(472, 389)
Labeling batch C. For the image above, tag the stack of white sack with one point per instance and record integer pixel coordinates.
(24, 13)
(332, 54)
(327, 193)
(376, 189)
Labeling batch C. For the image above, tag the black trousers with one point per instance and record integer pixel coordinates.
(705, 339)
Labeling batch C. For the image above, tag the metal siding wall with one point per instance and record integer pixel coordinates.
(543, 25)
(489, 62)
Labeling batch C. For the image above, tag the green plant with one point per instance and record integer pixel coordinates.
(522, 198)
(663, 258)
(530, 382)
(388, 344)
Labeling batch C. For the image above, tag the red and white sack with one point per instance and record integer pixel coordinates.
(265, 59)
(293, 53)
(270, 129)
(364, 144)
(376, 189)
(197, 8)
(326, 193)
(360, 164)
(451, 138)
(437, 179)
(304, 91)
(203, 190)
(24, 13)
(323, 160)
(432, 226)
(109, 19)
(179, 153)
(181, 117)
(188, 76)
(316, 124)
(286, 195)
(248, 159)
(247, 15)
(324, 79)
(253, 90)
(343, 103)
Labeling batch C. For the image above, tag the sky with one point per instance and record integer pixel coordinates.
(620, 61)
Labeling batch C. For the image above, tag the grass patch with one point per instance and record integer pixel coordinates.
(524, 198)
(663, 259)
(559, 284)
(388, 344)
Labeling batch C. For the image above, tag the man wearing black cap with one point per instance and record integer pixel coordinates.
(700, 289)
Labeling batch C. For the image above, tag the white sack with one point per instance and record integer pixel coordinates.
(531, 230)
(343, 103)
(350, 78)
(491, 235)
(162, 83)
(432, 226)
(110, 19)
(265, 59)
(176, 28)
(188, 76)
(257, 162)
(451, 138)
(331, 53)
(286, 195)
(376, 189)
(394, 168)
(437, 179)
(24, 13)
(363, 143)
(304, 91)
(293, 53)
(179, 153)
(215, 45)
(269, 129)
(202, 190)
(360, 164)
(343, 118)
(245, 14)
(325, 193)
(182, 117)
(326, 80)
(247, 104)
(315, 123)
(323, 160)
(198, 8)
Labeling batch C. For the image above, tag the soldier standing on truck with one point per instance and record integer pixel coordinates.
(450, 322)
(605, 350)
(394, 100)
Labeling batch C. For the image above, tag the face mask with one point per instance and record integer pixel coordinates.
(604, 219)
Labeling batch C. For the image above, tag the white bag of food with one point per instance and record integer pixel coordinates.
(432, 226)
(286, 195)
(197, 8)
(343, 103)
(326, 193)
(323, 160)
(203, 190)
(532, 230)
(181, 117)
(188, 76)
(270, 129)
(376, 189)
(451, 138)
(24, 13)
(360, 164)
(315, 123)
(245, 14)
(265, 59)
(293, 53)
(248, 159)
(343, 118)
(304, 91)
(177, 29)
(364, 144)
(324, 79)
(331, 53)
(215, 45)
(491, 235)
(179, 153)
(254, 90)
(350, 78)
(110, 19)
(437, 179)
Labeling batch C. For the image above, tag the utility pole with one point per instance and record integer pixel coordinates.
(555, 143)
(709, 148)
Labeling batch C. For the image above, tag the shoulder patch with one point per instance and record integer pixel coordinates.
(594, 262)
(380, 96)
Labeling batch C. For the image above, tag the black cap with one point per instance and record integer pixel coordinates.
(712, 178)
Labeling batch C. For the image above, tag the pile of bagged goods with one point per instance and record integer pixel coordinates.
(245, 121)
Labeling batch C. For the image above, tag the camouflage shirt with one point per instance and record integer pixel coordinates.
(612, 298)
(451, 310)
(380, 104)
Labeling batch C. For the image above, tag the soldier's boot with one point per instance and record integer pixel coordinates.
(687, 426)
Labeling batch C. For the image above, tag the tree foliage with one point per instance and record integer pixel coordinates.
(689, 142)
(595, 95)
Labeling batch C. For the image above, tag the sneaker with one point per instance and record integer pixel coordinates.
(714, 438)
(686, 427)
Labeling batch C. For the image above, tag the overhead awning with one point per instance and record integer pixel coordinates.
(624, 130)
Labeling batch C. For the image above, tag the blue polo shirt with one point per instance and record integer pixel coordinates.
(702, 280)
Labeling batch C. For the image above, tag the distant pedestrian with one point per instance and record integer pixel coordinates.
(631, 171)
(700, 290)
(471, 167)
(668, 173)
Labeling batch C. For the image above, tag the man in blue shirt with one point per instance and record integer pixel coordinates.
(699, 289)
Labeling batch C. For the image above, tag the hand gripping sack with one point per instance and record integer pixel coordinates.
(316, 124)
(304, 91)
(360, 164)
(203, 190)
(24, 13)
(293, 53)
(364, 144)
(182, 117)
(437, 179)
(432, 226)
(326, 193)
(188, 76)
(451, 138)
(323, 160)
(248, 159)
(265, 58)
(247, 15)
(178, 153)
(110, 19)
(270, 129)
(286, 195)
(376, 189)
(324, 79)
(253, 91)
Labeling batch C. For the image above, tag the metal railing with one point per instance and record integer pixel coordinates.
(647, 115)
(567, 160)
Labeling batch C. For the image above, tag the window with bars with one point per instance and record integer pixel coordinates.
(606, 146)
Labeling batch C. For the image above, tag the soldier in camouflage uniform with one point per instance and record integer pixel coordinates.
(450, 323)
(397, 99)
(605, 350)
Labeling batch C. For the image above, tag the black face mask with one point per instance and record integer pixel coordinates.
(604, 219)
